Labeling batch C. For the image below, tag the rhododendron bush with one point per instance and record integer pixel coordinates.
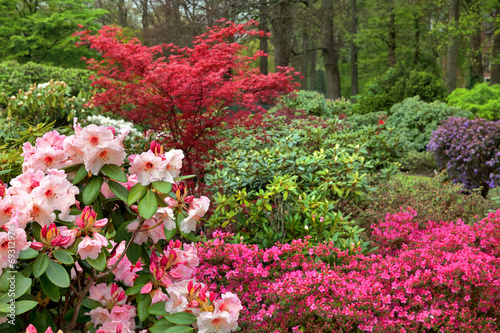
(87, 241)
(184, 92)
(444, 278)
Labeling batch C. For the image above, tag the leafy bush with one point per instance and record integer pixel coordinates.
(15, 76)
(483, 100)
(46, 102)
(433, 200)
(287, 180)
(419, 162)
(469, 151)
(414, 120)
(442, 277)
(360, 121)
(312, 102)
(339, 106)
(396, 85)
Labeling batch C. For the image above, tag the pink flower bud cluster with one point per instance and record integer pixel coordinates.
(444, 277)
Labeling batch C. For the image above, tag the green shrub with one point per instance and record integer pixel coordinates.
(47, 102)
(397, 84)
(339, 106)
(15, 76)
(419, 162)
(432, 200)
(414, 120)
(360, 121)
(312, 102)
(483, 100)
(294, 174)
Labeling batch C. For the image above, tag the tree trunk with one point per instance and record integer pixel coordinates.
(476, 64)
(312, 70)
(122, 13)
(391, 38)
(263, 41)
(305, 45)
(417, 41)
(495, 52)
(354, 49)
(282, 33)
(145, 14)
(330, 53)
(452, 54)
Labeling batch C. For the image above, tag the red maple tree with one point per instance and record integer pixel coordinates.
(184, 92)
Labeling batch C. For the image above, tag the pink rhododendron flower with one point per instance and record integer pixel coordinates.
(125, 271)
(230, 303)
(16, 203)
(197, 209)
(212, 322)
(47, 154)
(166, 215)
(12, 243)
(148, 167)
(89, 248)
(108, 295)
(32, 329)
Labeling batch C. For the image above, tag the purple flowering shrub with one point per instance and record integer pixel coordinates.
(468, 149)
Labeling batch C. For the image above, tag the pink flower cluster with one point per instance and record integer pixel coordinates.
(444, 277)
(114, 312)
(214, 314)
(154, 165)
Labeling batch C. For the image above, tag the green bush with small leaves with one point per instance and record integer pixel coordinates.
(396, 85)
(15, 76)
(483, 100)
(312, 102)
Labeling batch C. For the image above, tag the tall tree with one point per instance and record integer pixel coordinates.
(495, 58)
(354, 48)
(40, 31)
(391, 35)
(330, 53)
(452, 53)
(282, 29)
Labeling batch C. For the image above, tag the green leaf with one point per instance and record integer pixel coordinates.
(64, 256)
(169, 234)
(134, 252)
(29, 253)
(143, 303)
(183, 177)
(160, 326)
(98, 263)
(57, 274)
(179, 329)
(20, 307)
(115, 172)
(158, 309)
(134, 290)
(80, 175)
(92, 190)
(136, 193)
(148, 205)
(122, 232)
(72, 168)
(121, 192)
(163, 187)
(49, 289)
(181, 318)
(40, 265)
(22, 285)
(91, 304)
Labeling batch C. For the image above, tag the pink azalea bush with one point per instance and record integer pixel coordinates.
(88, 243)
(444, 278)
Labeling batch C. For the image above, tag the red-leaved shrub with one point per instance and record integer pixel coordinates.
(444, 278)
(184, 92)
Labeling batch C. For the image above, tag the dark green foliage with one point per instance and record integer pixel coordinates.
(396, 85)
(40, 31)
(422, 163)
(432, 200)
(15, 76)
(483, 100)
(414, 120)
